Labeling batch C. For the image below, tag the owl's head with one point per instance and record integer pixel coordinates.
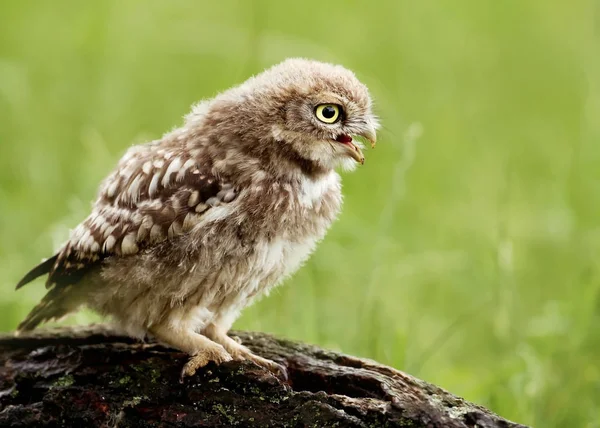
(308, 110)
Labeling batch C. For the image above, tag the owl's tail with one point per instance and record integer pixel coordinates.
(56, 304)
(49, 307)
(41, 269)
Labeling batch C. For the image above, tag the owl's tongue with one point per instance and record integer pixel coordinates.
(356, 153)
(345, 139)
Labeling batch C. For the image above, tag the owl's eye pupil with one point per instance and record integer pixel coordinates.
(329, 112)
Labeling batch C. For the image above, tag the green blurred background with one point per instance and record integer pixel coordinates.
(468, 252)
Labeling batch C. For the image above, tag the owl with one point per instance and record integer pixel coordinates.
(193, 227)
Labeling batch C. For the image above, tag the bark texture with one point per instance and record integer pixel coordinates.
(93, 376)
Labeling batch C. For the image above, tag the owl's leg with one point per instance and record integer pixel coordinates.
(202, 349)
(238, 351)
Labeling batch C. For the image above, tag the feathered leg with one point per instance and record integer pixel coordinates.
(184, 338)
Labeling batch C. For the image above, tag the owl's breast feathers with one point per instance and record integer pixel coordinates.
(158, 193)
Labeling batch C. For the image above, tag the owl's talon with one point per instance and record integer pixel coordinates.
(280, 371)
(277, 369)
(217, 354)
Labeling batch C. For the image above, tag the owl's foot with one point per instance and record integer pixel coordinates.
(239, 352)
(201, 348)
(237, 339)
(216, 354)
(245, 354)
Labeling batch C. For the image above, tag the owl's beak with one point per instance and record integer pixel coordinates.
(353, 150)
(370, 133)
(357, 154)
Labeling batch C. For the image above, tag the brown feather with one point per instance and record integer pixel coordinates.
(41, 269)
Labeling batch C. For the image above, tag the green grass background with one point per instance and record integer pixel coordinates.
(468, 250)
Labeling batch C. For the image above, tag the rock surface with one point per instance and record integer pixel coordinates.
(93, 376)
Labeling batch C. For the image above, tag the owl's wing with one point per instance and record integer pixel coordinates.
(155, 194)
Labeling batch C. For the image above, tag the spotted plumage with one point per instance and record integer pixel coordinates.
(191, 228)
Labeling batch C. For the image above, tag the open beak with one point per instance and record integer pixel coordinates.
(353, 150)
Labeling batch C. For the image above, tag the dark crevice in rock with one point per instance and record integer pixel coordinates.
(332, 383)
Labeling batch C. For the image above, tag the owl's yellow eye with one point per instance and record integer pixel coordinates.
(328, 113)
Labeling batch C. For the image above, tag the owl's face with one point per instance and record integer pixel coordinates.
(310, 110)
(322, 109)
(320, 125)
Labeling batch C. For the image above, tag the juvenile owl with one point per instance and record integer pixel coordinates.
(191, 228)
